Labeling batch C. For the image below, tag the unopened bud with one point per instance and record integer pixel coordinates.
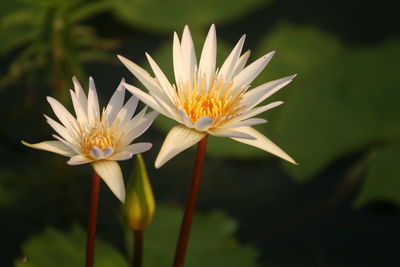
(139, 207)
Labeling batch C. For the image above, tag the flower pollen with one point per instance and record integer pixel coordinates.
(218, 101)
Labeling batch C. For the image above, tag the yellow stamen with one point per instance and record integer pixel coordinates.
(101, 135)
(217, 102)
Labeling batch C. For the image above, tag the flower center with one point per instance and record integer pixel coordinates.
(218, 102)
(101, 136)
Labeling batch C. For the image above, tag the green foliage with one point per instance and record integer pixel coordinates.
(383, 178)
(211, 241)
(211, 244)
(53, 248)
(343, 100)
(50, 40)
(159, 15)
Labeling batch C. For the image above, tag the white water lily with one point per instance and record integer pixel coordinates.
(99, 139)
(208, 101)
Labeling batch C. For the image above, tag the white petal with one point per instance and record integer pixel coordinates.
(162, 79)
(52, 146)
(134, 122)
(254, 112)
(232, 133)
(144, 77)
(147, 99)
(178, 139)
(63, 114)
(126, 113)
(74, 147)
(263, 143)
(246, 76)
(80, 94)
(78, 160)
(61, 130)
(185, 119)
(111, 174)
(260, 93)
(188, 53)
(226, 72)
(121, 155)
(208, 57)
(116, 102)
(241, 63)
(203, 123)
(138, 148)
(140, 129)
(96, 152)
(180, 70)
(253, 121)
(108, 151)
(93, 103)
(80, 110)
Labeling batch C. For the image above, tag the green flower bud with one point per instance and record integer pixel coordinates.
(139, 207)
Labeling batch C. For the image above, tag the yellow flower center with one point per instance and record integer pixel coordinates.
(101, 135)
(218, 101)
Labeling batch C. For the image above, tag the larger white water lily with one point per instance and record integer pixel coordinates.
(208, 101)
(99, 139)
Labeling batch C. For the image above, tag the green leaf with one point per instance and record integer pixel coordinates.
(383, 178)
(343, 99)
(159, 15)
(54, 248)
(211, 241)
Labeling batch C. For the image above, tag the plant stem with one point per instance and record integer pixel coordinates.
(138, 248)
(190, 204)
(92, 219)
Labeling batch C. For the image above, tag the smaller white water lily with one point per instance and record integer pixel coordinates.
(208, 101)
(99, 139)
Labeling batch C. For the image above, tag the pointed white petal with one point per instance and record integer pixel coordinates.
(63, 114)
(203, 123)
(138, 148)
(162, 79)
(260, 93)
(140, 129)
(232, 133)
(111, 174)
(188, 53)
(80, 111)
(73, 146)
(78, 160)
(126, 113)
(121, 155)
(263, 143)
(253, 121)
(208, 57)
(246, 76)
(52, 146)
(61, 130)
(254, 112)
(116, 102)
(180, 70)
(80, 94)
(147, 99)
(241, 63)
(226, 72)
(178, 139)
(143, 76)
(134, 122)
(93, 103)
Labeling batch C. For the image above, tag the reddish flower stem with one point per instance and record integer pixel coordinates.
(92, 219)
(138, 248)
(190, 204)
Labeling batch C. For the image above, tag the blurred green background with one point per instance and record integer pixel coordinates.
(340, 121)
